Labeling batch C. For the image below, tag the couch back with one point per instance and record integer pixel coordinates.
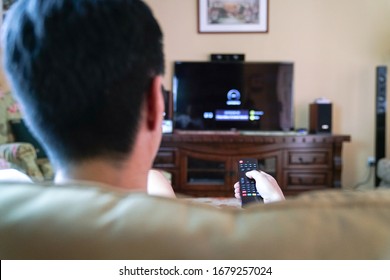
(82, 221)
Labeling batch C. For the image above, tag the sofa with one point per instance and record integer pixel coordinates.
(18, 148)
(94, 221)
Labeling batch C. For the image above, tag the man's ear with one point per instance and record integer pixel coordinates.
(155, 104)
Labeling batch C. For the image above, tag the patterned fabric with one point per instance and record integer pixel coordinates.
(46, 169)
(20, 156)
(9, 110)
(5, 164)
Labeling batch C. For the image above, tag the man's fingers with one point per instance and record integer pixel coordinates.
(259, 176)
(237, 190)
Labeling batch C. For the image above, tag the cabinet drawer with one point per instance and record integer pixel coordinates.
(303, 180)
(321, 158)
(165, 158)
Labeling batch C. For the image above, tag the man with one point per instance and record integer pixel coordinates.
(88, 76)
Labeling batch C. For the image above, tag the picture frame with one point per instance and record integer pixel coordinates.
(233, 16)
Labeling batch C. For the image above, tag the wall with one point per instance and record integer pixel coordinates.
(335, 45)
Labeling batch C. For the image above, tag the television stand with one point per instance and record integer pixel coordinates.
(204, 164)
(207, 132)
(273, 133)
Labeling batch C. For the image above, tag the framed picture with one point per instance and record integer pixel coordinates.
(233, 16)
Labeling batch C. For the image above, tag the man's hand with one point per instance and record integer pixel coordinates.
(266, 185)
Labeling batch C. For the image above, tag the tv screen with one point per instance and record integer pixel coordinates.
(244, 96)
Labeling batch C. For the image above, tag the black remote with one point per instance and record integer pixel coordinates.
(248, 191)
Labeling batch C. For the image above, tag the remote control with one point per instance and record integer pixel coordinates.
(248, 191)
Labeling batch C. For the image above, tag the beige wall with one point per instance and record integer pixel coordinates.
(335, 45)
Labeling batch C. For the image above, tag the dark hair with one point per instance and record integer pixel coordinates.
(81, 70)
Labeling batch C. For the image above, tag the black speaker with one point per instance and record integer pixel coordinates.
(227, 57)
(380, 114)
(320, 118)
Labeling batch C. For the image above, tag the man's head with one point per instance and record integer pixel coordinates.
(82, 70)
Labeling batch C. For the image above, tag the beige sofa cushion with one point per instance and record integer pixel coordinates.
(99, 222)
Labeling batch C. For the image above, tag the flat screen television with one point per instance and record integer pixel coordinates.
(242, 96)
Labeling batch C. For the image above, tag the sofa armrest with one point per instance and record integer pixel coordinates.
(24, 156)
(383, 171)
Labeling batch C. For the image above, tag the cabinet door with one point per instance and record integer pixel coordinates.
(269, 162)
(203, 174)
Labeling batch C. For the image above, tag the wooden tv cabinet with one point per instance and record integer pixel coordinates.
(204, 164)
